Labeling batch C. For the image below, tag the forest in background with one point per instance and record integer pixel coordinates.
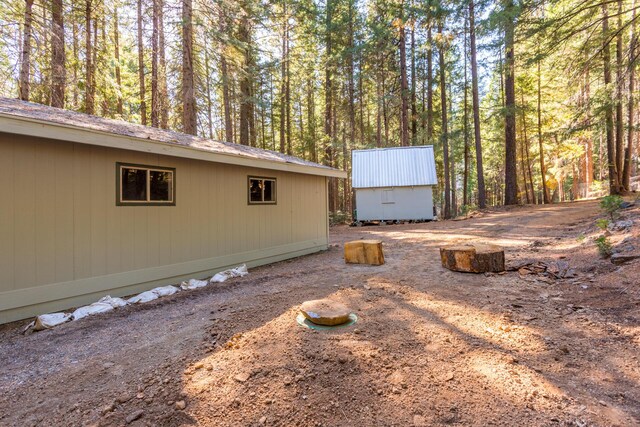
(524, 101)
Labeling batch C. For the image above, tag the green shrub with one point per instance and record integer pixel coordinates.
(338, 217)
(604, 246)
(611, 205)
(602, 223)
(581, 238)
(465, 209)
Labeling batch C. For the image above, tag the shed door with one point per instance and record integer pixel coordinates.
(388, 196)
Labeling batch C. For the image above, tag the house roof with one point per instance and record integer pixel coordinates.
(26, 118)
(394, 167)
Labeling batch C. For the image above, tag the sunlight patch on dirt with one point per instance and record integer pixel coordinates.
(479, 324)
(516, 381)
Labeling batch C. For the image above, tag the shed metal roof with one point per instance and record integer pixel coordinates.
(394, 167)
(26, 118)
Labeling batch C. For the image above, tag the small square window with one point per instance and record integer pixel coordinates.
(262, 191)
(145, 185)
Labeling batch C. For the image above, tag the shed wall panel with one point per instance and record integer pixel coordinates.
(63, 240)
(404, 203)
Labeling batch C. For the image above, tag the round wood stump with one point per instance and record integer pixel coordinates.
(473, 258)
(364, 252)
(325, 312)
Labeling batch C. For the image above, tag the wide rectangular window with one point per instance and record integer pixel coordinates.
(262, 190)
(139, 185)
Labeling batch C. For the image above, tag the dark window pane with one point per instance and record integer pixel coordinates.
(269, 193)
(134, 184)
(161, 185)
(255, 190)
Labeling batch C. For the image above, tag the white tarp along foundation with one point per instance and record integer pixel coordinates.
(108, 303)
(47, 321)
(240, 271)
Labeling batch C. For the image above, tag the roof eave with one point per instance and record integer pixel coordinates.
(395, 186)
(57, 131)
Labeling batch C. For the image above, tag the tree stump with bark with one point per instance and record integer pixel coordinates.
(364, 252)
(473, 258)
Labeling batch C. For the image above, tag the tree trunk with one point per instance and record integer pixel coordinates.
(510, 183)
(328, 116)
(207, 78)
(89, 106)
(189, 124)
(524, 172)
(94, 60)
(345, 168)
(379, 116)
(253, 132)
(527, 147)
(429, 78)
(107, 111)
(361, 99)
(283, 78)
(352, 109)
(226, 101)
(76, 61)
(385, 113)
(58, 70)
(25, 60)
(452, 158)
(423, 93)
(287, 96)
(482, 198)
(143, 92)
(44, 77)
(626, 173)
(465, 129)
(404, 86)
(414, 108)
(116, 52)
(244, 37)
(301, 119)
(328, 90)
(543, 172)
(311, 119)
(263, 115)
(445, 131)
(606, 56)
(272, 111)
(155, 93)
(162, 83)
(619, 111)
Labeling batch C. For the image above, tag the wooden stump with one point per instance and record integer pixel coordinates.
(364, 252)
(473, 258)
(325, 312)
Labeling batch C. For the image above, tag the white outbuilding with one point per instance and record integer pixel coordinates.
(394, 184)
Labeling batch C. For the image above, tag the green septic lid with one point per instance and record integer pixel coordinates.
(306, 323)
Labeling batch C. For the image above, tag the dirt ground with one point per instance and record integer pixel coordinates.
(431, 347)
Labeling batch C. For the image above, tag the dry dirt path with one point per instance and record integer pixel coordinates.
(431, 347)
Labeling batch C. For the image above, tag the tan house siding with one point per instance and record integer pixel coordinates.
(64, 242)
